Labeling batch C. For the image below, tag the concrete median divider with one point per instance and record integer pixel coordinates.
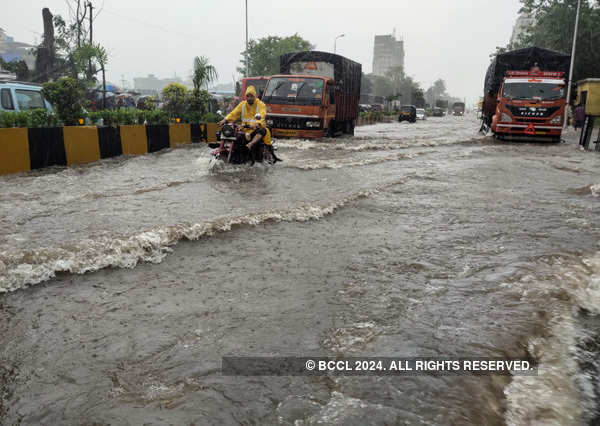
(46, 147)
(24, 149)
(133, 139)
(211, 132)
(14, 151)
(158, 137)
(179, 133)
(81, 144)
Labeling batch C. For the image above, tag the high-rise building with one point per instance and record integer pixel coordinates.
(387, 53)
(524, 21)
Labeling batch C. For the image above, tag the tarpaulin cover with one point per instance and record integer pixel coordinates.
(524, 60)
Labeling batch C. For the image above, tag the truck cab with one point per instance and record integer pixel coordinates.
(530, 104)
(300, 106)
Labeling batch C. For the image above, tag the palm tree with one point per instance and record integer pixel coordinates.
(204, 73)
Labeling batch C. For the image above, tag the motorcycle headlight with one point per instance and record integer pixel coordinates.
(556, 120)
(227, 131)
(505, 117)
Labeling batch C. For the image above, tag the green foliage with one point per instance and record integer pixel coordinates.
(553, 29)
(19, 68)
(157, 117)
(210, 117)
(67, 97)
(176, 98)
(29, 118)
(263, 54)
(204, 73)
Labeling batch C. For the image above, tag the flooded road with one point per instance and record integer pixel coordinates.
(124, 282)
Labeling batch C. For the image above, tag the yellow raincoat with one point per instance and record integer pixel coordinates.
(246, 113)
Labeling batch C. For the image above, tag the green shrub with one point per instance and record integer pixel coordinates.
(109, 117)
(210, 117)
(67, 97)
(28, 118)
(157, 117)
(95, 117)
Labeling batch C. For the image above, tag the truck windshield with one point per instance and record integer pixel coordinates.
(294, 91)
(542, 91)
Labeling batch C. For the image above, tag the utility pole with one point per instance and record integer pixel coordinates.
(91, 36)
(570, 84)
(247, 64)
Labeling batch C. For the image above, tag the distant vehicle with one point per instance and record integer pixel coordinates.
(458, 109)
(376, 107)
(408, 113)
(420, 114)
(259, 83)
(438, 112)
(525, 94)
(364, 108)
(20, 96)
(317, 94)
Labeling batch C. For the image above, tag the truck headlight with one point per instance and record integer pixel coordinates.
(313, 123)
(505, 117)
(556, 120)
(270, 123)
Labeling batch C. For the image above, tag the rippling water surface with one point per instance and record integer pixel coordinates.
(125, 281)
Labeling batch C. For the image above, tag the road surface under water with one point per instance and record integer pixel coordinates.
(124, 282)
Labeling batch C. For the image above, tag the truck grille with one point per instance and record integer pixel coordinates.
(532, 112)
(298, 123)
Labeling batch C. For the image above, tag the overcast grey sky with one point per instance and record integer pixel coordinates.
(449, 39)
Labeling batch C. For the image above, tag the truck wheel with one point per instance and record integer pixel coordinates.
(331, 129)
(349, 128)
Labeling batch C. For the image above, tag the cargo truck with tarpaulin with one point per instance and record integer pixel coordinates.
(316, 94)
(525, 94)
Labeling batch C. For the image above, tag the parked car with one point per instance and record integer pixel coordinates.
(19, 96)
(408, 113)
(420, 114)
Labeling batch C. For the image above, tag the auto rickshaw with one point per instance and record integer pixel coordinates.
(408, 113)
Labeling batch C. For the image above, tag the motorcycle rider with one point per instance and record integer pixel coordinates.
(247, 110)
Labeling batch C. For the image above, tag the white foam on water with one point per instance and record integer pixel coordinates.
(561, 394)
(20, 269)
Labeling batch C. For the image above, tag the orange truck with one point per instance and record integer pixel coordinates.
(525, 95)
(259, 83)
(316, 94)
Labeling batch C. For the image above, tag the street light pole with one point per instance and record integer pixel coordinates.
(572, 65)
(247, 64)
(335, 42)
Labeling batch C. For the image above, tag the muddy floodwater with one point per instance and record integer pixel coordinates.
(123, 283)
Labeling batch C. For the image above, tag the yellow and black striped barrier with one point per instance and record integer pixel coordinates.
(24, 149)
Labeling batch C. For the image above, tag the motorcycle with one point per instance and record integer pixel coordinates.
(232, 148)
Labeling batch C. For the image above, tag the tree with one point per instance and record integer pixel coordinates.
(176, 99)
(204, 73)
(264, 53)
(66, 96)
(19, 68)
(553, 27)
